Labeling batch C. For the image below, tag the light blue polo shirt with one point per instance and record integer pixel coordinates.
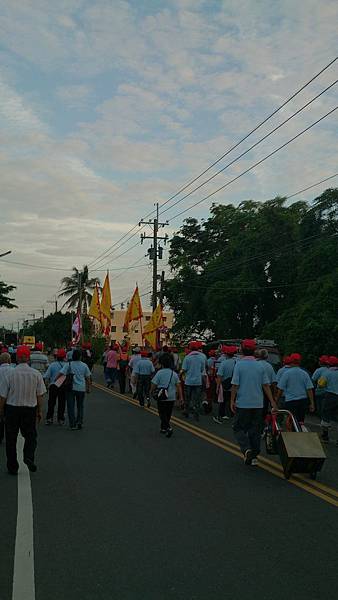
(332, 380)
(250, 376)
(162, 379)
(80, 371)
(270, 371)
(295, 382)
(318, 373)
(226, 368)
(280, 372)
(144, 367)
(53, 370)
(194, 366)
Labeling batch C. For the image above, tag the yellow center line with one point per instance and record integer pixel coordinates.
(315, 488)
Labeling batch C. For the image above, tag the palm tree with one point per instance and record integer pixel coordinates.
(76, 289)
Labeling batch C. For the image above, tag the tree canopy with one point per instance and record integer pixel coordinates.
(260, 269)
(77, 287)
(5, 301)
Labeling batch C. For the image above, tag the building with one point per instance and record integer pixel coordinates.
(135, 335)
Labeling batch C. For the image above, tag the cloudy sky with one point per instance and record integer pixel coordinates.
(108, 106)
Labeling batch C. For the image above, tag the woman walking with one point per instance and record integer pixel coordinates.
(165, 384)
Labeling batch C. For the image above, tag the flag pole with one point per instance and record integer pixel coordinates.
(140, 319)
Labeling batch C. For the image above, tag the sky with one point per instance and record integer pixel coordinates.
(107, 107)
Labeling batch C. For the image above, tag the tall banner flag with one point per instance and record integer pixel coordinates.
(134, 310)
(153, 326)
(77, 328)
(95, 308)
(106, 305)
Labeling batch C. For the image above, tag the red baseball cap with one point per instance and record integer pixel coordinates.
(194, 345)
(324, 359)
(23, 351)
(286, 360)
(144, 353)
(212, 352)
(232, 349)
(39, 346)
(295, 357)
(61, 353)
(249, 344)
(333, 361)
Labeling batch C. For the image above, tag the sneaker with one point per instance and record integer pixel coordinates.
(49, 421)
(61, 422)
(217, 420)
(225, 418)
(163, 431)
(254, 462)
(73, 427)
(248, 456)
(31, 465)
(169, 432)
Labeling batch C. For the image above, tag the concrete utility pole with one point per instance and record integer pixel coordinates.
(155, 251)
(54, 302)
(161, 294)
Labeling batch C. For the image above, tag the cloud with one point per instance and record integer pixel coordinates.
(74, 96)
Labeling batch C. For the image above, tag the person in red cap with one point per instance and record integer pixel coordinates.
(87, 355)
(329, 381)
(113, 357)
(38, 359)
(211, 385)
(297, 387)
(316, 375)
(55, 392)
(249, 382)
(143, 373)
(22, 393)
(224, 377)
(194, 369)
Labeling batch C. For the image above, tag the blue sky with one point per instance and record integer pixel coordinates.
(109, 106)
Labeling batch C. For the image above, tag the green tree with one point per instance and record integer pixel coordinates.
(77, 289)
(5, 301)
(54, 330)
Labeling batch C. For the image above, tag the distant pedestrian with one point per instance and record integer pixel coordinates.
(39, 360)
(165, 385)
(224, 378)
(123, 366)
(194, 369)
(113, 357)
(297, 387)
(56, 393)
(319, 373)
(249, 382)
(87, 355)
(262, 356)
(21, 394)
(329, 381)
(136, 356)
(5, 367)
(143, 372)
(81, 384)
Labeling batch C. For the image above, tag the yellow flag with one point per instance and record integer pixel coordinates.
(151, 338)
(134, 310)
(156, 320)
(95, 309)
(106, 300)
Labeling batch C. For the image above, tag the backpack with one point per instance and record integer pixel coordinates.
(162, 393)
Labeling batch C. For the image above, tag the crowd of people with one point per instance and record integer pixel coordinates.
(240, 381)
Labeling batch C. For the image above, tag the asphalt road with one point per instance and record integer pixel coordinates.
(123, 513)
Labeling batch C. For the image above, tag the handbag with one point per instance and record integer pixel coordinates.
(162, 393)
(67, 384)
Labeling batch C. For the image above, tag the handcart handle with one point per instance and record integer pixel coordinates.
(294, 420)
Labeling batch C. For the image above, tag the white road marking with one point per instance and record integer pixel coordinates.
(23, 575)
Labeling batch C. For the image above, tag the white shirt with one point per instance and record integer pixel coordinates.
(39, 361)
(4, 370)
(22, 385)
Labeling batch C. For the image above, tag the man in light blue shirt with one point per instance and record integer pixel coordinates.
(143, 372)
(224, 377)
(297, 387)
(81, 384)
(330, 403)
(249, 382)
(194, 369)
(56, 393)
(316, 375)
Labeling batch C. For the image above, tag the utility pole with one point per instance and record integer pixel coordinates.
(55, 302)
(155, 251)
(161, 294)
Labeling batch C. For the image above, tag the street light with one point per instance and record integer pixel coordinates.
(5, 253)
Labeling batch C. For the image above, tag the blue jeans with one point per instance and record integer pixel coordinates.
(111, 375)
(73, 397)
(193, 395)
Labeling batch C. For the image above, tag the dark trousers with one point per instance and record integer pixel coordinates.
(122, 378)
(330, 409)
(2, 429)
(298, 408)
(56, 394)
(224, 407)
(247, 427)
(72, 399)
(192, 394)
(23, 419)
(165, 408)
(143, 387)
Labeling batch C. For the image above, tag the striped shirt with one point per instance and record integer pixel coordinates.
(22, 385)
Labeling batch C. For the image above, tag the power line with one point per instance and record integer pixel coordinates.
(254, 165)
(182, 189)
(250, 148)
(64, 269)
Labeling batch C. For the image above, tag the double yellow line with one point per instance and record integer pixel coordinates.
(324, 492)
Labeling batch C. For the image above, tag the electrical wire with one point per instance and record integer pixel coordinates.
(182, 189)
(254, 165)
